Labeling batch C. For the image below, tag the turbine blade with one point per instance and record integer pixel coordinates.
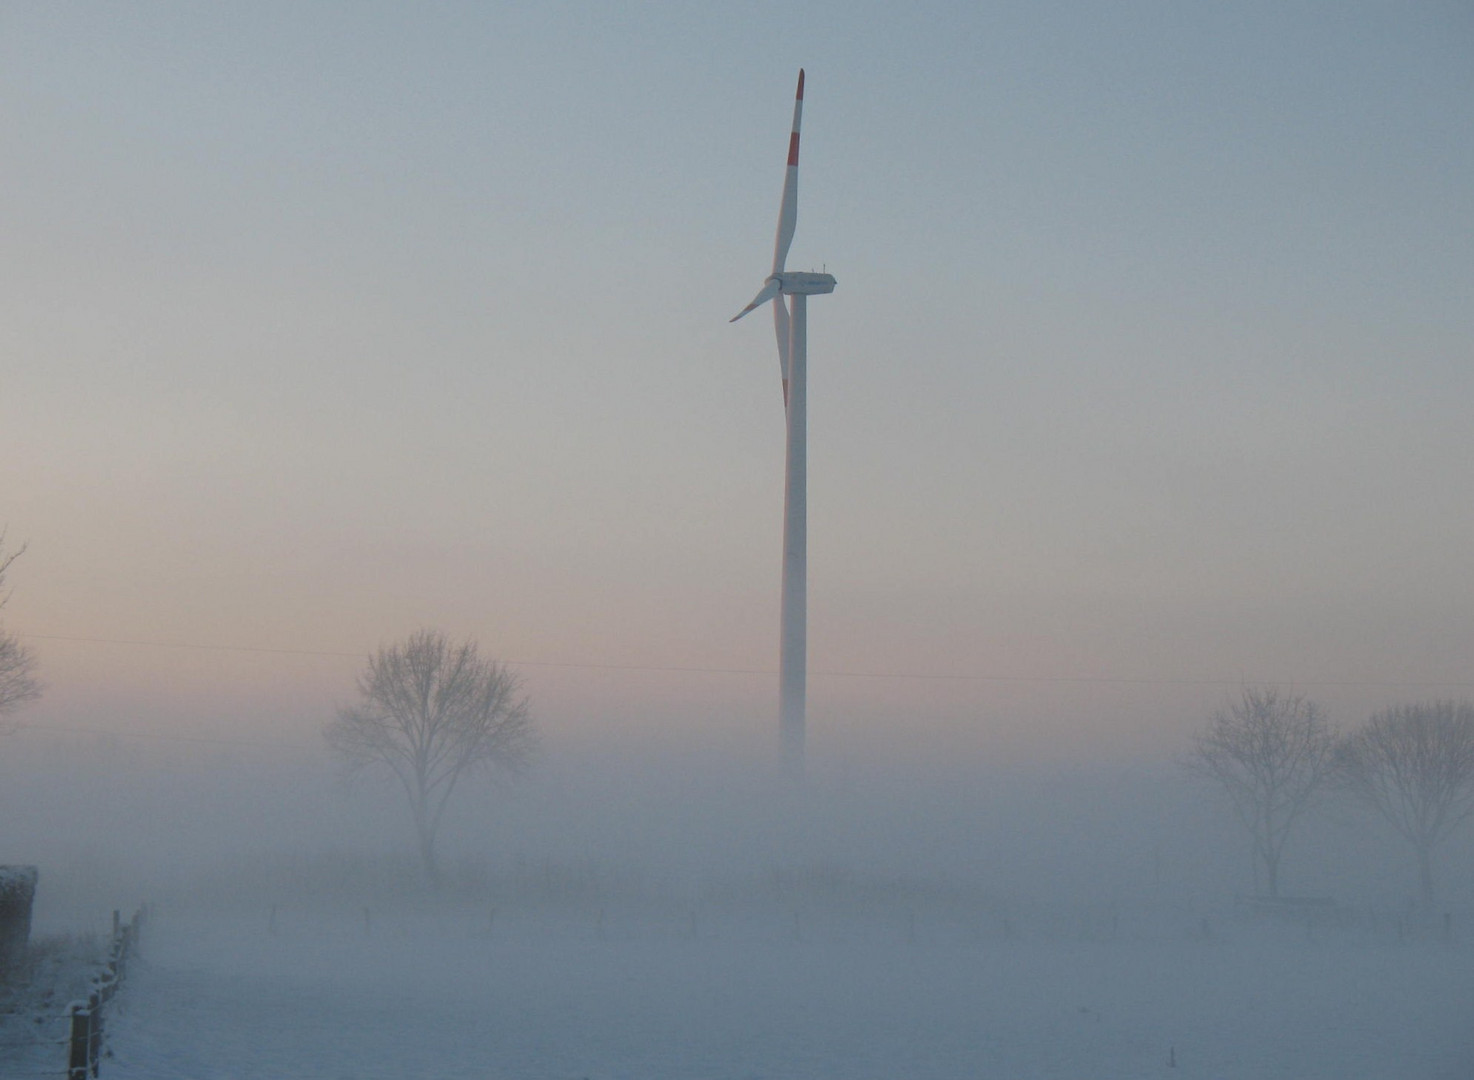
(780, 324)
(788, 208)
(767, 292)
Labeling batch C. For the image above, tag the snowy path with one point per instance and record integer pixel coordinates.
(559, 1002)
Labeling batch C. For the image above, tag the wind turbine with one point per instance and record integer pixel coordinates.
(792, 328)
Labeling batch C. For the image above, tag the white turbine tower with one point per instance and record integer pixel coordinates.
(792, 330)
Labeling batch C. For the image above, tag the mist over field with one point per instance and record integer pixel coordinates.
(670, 911)
(247, 826)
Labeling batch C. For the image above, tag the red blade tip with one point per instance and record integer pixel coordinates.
(800, 94)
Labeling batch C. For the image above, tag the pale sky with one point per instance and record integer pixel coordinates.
(1148, 368)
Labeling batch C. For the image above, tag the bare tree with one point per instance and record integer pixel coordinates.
(1273, 753)
(18, 682)
(1415, 765)
(433, 711)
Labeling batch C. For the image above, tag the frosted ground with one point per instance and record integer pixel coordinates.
(773, 990)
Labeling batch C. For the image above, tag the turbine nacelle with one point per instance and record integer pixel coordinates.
(805, 283)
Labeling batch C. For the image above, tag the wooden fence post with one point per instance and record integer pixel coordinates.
(81, 1037)
(94, 1036)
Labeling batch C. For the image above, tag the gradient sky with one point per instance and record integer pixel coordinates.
(1148, 368)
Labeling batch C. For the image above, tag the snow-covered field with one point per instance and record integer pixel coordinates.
(790, 993)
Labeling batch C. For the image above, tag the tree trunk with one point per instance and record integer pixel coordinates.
(426, 833)
(1425, 877)
(1272, 870)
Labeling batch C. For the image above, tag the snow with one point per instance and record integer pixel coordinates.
(786, 995)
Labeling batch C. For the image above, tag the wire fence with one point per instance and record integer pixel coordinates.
(76, 1036)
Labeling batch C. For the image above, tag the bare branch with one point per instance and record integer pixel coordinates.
(5, 561)
(1414, 765)
(18, 682)
(1273, 754)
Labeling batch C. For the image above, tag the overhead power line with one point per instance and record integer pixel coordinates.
(193, 645)
(218, 740)
(1093, 680)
